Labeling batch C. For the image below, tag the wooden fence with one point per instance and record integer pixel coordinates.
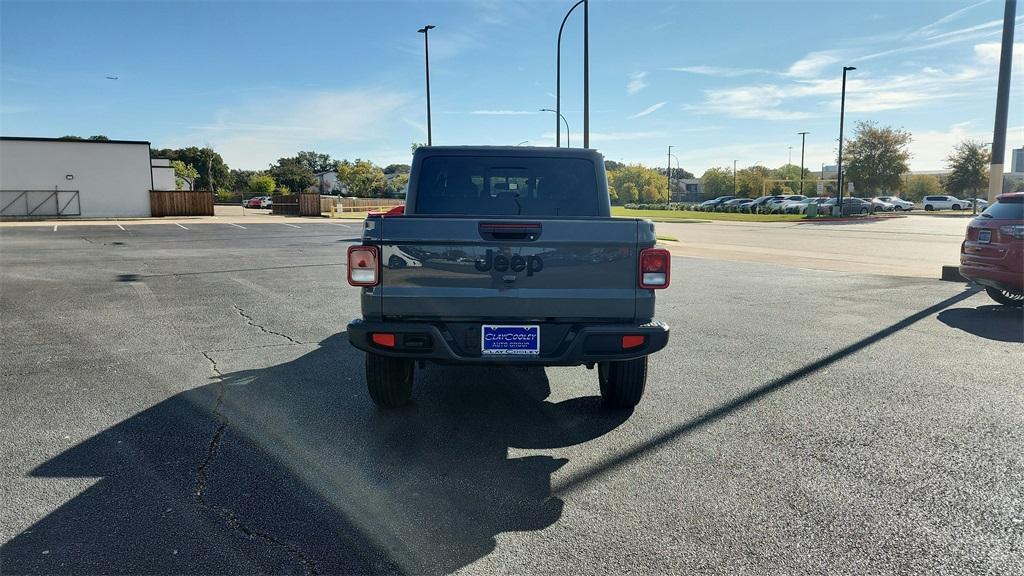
(181, 203)
(344, 204)
(301, 205)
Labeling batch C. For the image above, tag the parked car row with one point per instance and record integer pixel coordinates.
(258, 202)
(799, 204)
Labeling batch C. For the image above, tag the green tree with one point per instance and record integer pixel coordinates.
(613, 165)
(717, 182)
(636, 183)
(184, 174)
(396, 186)
(213, 172)
(397, 169)
(969, 162)
(317, 162)
(292, 174)
(921, 185)
(238, 180)
(96, 138)
(876, 158)
(362, 178)
(261, 185)
(415, 145)
(750, 181)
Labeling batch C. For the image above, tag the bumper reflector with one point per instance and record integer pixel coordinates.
(383, 339)
(632, 341)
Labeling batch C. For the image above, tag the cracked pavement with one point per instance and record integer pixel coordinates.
(185, 401)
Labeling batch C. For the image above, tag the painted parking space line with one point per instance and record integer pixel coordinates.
(121, 227)
(292, 225)
(55, 227)
(236, 225)
(180, 226)
(340, 224)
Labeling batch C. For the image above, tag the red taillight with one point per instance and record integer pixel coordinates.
(655, 268)
(383, 339)
(632, 341)
(363, 266)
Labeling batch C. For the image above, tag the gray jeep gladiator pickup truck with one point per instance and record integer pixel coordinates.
(509, 256)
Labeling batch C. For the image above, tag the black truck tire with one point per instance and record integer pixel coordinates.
(1005, 297)
(389, 380)
(622, 383)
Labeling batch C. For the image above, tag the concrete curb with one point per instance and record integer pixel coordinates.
(952, 274)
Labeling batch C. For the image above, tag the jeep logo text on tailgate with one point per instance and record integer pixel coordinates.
(502, 263)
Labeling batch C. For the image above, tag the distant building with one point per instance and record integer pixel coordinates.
(163, 174)
(829, 171)
(1017, 160)
(687, 190)
(43, 177)
(327, 183)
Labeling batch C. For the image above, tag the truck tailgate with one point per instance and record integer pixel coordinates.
(522, 270)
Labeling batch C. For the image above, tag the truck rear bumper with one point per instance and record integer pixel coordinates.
(458, 343)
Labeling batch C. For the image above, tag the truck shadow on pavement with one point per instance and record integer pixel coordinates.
(1001, 323)
(290, 469)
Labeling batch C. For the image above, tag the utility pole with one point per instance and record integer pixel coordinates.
(426, 54)
(669, 174)
(995, 173)
(558, 82)
(839, 167)
(586, 74)
(803, 143)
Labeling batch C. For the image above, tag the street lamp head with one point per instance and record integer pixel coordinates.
(425, 28)
(849, 67)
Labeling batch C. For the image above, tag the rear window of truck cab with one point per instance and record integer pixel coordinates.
(507, 186)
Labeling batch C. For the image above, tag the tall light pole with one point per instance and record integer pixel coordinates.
(676, 158)
(568, 140)
(586, 76)
(839, 165)
(735, 189)
(995, 173)
(669, 174)
(790, 162)
(803, 142)
(426, 55)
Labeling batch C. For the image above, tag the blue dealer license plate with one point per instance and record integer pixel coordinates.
(520, 340)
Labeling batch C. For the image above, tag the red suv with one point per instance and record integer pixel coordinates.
(992, 255)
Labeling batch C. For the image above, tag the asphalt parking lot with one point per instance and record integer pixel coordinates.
(183, 399)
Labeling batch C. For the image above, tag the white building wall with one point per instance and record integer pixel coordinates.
(163, 175)
(113, 178)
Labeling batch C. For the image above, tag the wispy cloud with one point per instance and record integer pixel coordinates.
(419, 126)
(503, 112)
(721, 71)
(615, 136)
(811, 65)
(761, 102)
(637, 82)
(253, 134)
(649, 110)
(954, 15)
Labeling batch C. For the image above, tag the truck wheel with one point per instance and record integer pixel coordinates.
(1005, 297)
(622, 383)
(389, 380)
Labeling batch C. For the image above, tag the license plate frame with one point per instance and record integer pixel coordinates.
(985, 236)
(510, 340)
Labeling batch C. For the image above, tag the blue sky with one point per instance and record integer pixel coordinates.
(721, 81)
